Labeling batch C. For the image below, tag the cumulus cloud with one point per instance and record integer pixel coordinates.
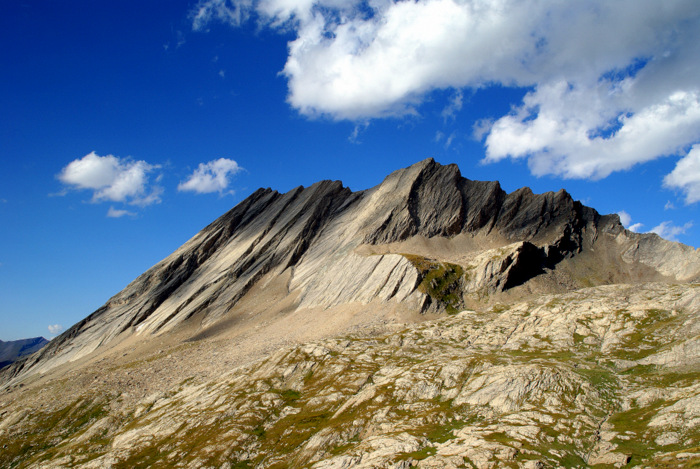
(112, 179)
(669, 231)
(625, 218)
(481, 128)
(213, 176)
(552, 130)
(686, 176)
(55, 329)
(611, 84)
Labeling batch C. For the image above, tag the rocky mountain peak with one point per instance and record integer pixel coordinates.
(425, 239)
(430, 321)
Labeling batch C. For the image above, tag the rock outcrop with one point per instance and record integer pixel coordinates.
(336, 247)
(600, 377)
(430, 321)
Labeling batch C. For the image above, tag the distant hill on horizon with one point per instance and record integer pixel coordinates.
(13, 350)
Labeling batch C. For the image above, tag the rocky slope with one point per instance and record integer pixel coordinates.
(13, 350)
(426, 239)
(600, 377)
(430, 321)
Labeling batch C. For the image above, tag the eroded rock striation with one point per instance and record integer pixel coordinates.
(337, 247)
(430, 321)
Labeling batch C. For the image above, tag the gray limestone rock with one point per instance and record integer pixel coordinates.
(325, 247)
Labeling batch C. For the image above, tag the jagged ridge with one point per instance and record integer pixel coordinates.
(320, 238)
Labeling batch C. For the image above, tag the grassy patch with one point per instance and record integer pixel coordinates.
(441, 281)
(149, 456)
(289, 396)
(441, 433)
(649, 335)
(289, 433)
(418, 455)
(636, 420)
(340, 449)
(48, 431)
(259, 431)
(498, 308)
(598, 377)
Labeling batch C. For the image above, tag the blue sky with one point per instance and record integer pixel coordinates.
(128, 126)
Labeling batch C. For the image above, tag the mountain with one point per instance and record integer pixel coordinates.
(430, 320)
(13, 350)
(325, 246)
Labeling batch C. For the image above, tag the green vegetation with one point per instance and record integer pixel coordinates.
(636, 421)
(441, 281)
(444, 432)
(259, 431)
(49, 430)
(289, 396)
(498, 308)
(342, 448)
(268, 419)
(418, 455)
(646, 337)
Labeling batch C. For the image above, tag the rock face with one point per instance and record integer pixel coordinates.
(600, 377)
(13, 350)
(430, 321)
(334, 247)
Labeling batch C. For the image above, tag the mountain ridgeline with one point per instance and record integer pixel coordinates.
(431, 321)
(13, 350)
(425, 240)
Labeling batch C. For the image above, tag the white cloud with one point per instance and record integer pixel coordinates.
(213, 176)
(112, 179)
(669, 231)
(440, 136)
(55, 328)
(359, 128)
(453, 106)
(555, 130)
(625, 218)
(481, 128)
(636, 228)
(611, 84)
(686, 176)
(232, 12)
(448, 139)
(117, 213)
